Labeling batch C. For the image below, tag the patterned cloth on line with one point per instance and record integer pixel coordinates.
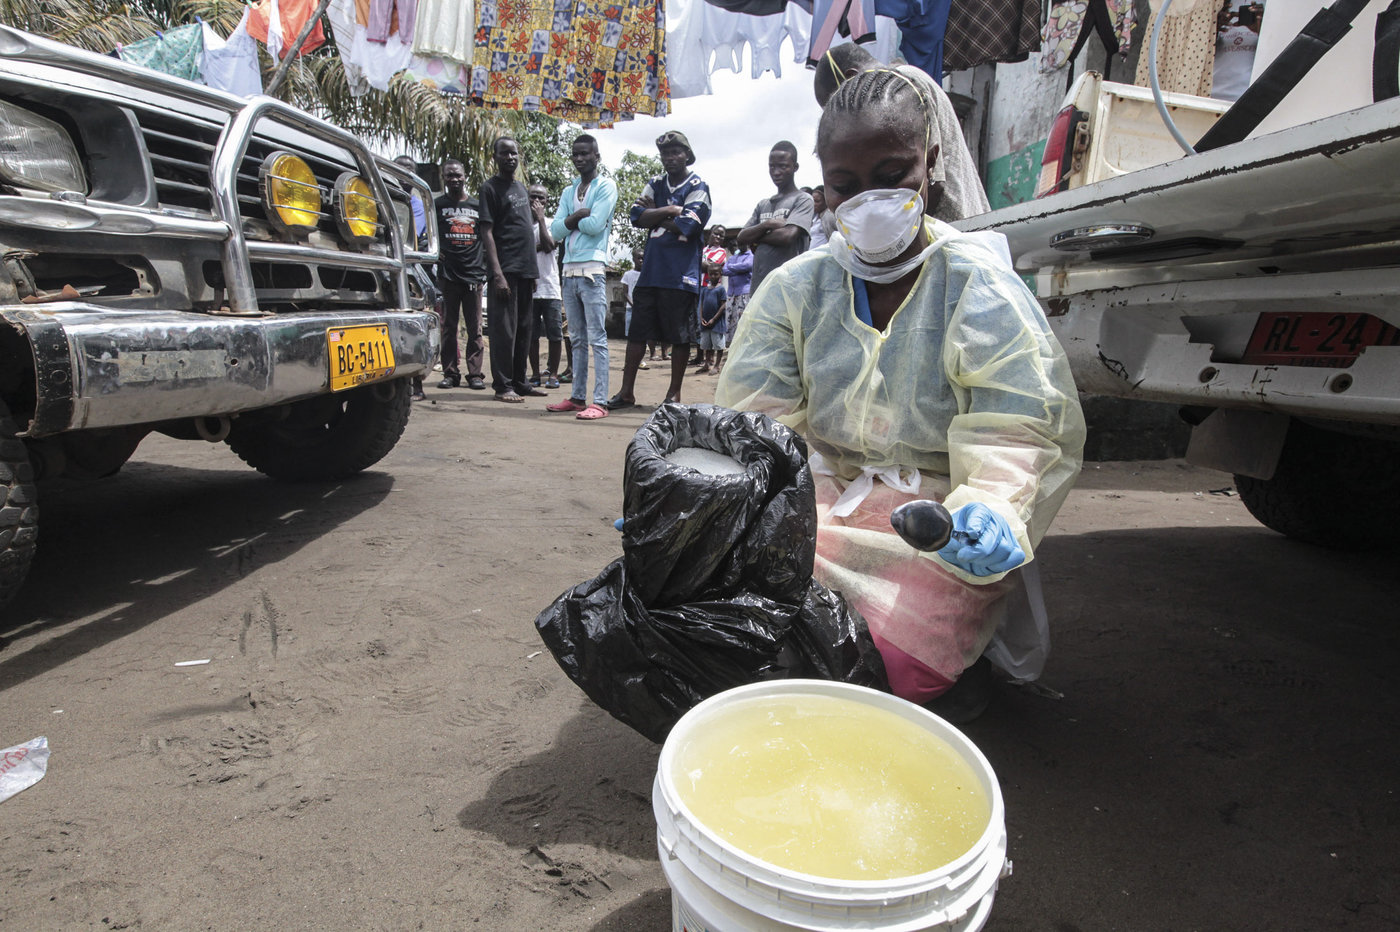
(178, 51)
(984, 31)
(586, 61)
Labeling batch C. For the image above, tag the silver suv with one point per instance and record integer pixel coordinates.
(180, 260)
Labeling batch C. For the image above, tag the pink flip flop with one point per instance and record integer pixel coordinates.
(568, 404)
(592, 413)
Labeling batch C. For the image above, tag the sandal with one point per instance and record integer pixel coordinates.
(532, 392)
(551, 382)
(592, 413)
(510, 398)
(615, 403)
(568, 404)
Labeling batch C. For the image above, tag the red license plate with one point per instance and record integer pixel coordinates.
(1324, 340)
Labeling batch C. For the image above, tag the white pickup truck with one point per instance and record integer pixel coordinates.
(1254, 284)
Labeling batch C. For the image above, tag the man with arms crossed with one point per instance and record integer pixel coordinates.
(674, 206)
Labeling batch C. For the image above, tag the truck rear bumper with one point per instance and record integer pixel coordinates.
(1181, 342)
(98, 367)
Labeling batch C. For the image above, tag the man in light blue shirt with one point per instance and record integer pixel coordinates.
(581, 222)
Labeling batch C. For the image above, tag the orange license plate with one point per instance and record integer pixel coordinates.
(359, 355)
(1325, 340)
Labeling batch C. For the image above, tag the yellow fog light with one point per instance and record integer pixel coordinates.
(356, 212)
(290, 193)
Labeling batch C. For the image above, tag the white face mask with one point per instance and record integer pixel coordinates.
(879, 224)
(881, 274)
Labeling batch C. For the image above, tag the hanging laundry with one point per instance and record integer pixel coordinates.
(922, 24)
(722, 35)
(392, 17)
(889, 41)
(589, 62)
(700, 31)
(1185, 48)
(367, 64)
(755, 7)
(231, 64)
(687, 60)
(1071, 22)
(797, 24)
(827, 16)
(984, 31)
(177, 51)
(764, 36)
(281, 20)
(445, 29)
(341, 14)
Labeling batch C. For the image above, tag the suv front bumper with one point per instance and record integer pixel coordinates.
(100, 367)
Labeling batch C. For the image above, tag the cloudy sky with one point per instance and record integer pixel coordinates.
(731, 132)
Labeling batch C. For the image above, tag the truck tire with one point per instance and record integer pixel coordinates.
(327, 438)
(1335, 490)
(19, 509)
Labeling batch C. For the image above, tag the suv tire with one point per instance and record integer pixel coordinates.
(1335, 490)
(327, 438)
(19, 509)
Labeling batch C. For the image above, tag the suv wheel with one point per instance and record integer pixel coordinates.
(329, 437)
(1335, 490)
(19, 510)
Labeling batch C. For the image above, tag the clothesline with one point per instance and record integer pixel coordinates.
(595, 61)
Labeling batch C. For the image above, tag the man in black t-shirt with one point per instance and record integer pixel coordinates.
(461, 273)
(509, 246)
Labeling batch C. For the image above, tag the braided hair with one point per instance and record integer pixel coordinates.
(875, 89)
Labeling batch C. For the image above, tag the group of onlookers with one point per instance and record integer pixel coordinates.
(503, 242)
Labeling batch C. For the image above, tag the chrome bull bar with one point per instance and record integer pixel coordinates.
(100, 367)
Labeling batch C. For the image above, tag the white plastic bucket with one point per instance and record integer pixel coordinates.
(715, 887)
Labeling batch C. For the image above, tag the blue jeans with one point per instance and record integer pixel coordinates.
(586, 304)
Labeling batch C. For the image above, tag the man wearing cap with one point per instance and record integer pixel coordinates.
(674, 206)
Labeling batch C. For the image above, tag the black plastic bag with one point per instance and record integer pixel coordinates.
(714, 588)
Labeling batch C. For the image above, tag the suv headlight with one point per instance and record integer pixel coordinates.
(290, 194)
(35, 152)
(356, 211)
(403, 214)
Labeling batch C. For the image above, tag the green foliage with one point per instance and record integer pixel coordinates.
(631, 177)
(96, 25)
(545, 144)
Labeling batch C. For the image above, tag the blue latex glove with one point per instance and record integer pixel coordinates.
(982, 543)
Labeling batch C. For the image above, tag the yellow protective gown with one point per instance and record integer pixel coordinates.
(966, 397)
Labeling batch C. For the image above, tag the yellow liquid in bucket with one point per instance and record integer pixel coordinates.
(831, 787)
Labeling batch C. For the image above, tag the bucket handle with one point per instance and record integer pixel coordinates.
(667, 845)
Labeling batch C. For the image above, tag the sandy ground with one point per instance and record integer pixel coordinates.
(379, 743)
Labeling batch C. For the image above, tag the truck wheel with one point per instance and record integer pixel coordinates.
(19, 510)
(1335, 490)
(326, 438)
